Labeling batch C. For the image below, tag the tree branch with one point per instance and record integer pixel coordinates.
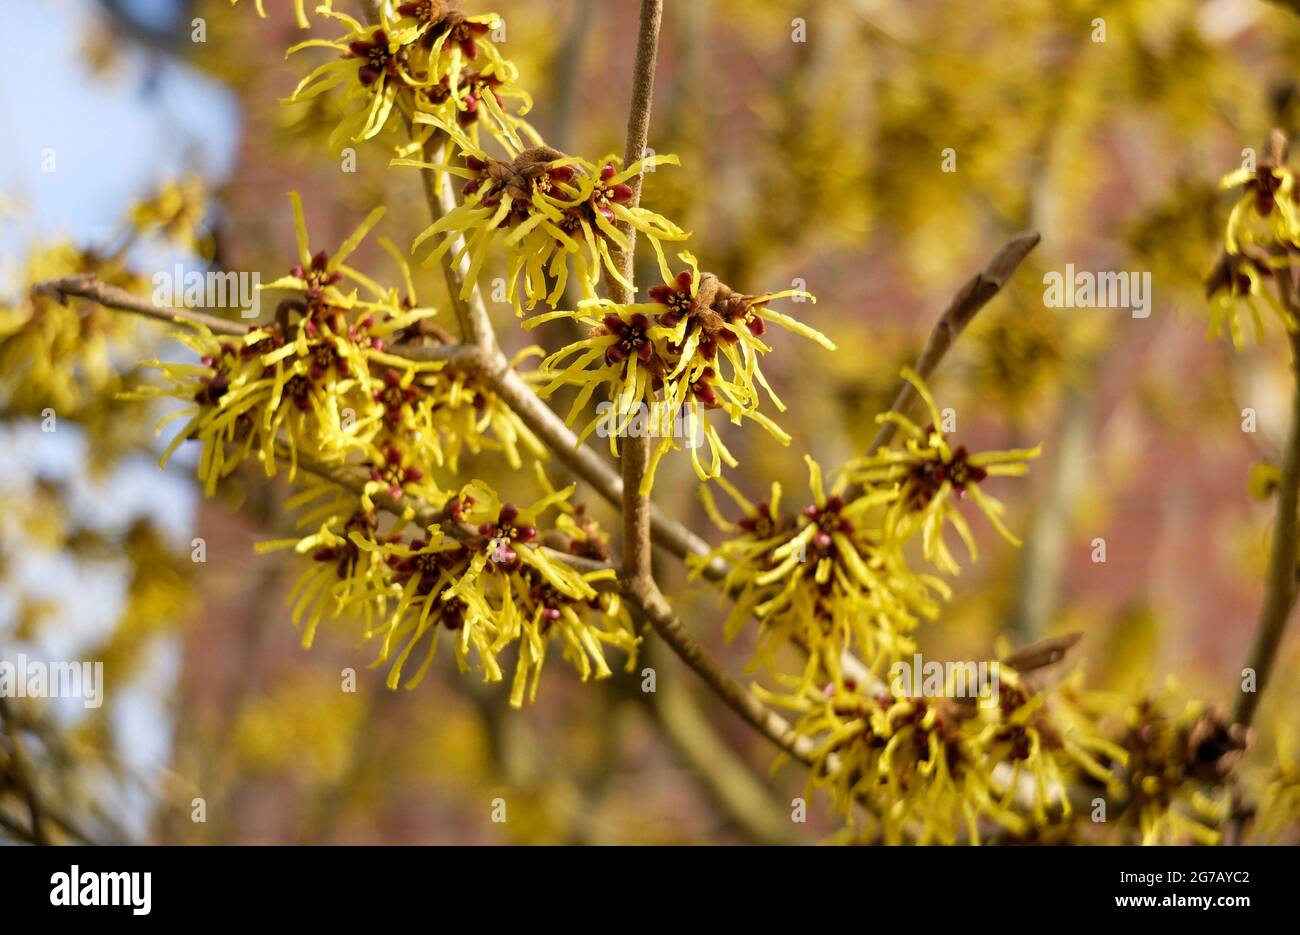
(1280, 587)
(970, 298)
(21, 773)
(637, 551)
(88, 286)
(648, 599)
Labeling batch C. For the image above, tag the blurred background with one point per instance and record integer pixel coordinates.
(813, 136)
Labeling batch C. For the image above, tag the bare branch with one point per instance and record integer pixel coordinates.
(1280, 586)
(637, 551)
(970, 298)
(648, 599)
(88, 286)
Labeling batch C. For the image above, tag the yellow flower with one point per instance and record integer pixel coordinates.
(491, 586)
(60, 355)
(416, 62)
(922, 480)
(373, 70)
(693, 349)
(177, 211)
(1237, 280)
(1263, 228)
(1178, 763)
(1279, 807)
(1265, 214)
(547, 210)
(305, 380)
(504, 203)
(935, 770)
(340, 580)
(443, 43)
(821, 580)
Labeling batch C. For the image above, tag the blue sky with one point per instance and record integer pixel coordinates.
(114, 138)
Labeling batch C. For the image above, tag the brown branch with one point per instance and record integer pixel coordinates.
(743, 796)
(637, 577)
(1280, 588)
(637, 550)
(970, 298)
(475, 323)
(88, 286)
(21, 773)
(648, 599)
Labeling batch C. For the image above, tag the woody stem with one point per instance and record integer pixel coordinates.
(637, 550)
(1280, 587)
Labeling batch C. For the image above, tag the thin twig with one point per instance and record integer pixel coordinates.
(637, 550)
(743, 796)
(1280, 587)
(970, 298)
(652, 603)
(88, 286)
(472, 313)
(22, 774)
(637, 579)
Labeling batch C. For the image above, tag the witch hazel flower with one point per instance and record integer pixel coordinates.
(550, 211)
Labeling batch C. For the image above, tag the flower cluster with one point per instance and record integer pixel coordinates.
(939, 770)
(426, 61)
(1263, 227)
(835, 577)
(560, 221)
(695, 346)
(1178, 761)
(547, 210)
(480, 572)
(822, 579)
(922, 481)
(320, 383)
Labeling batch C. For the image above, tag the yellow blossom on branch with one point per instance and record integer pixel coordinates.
(925, 478)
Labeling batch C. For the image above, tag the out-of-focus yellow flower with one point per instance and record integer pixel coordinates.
(1265, 214)
(1237, 280)
(1262, 481)
(1176, 764)
(177, 211)
(299, 9)
(1279, 806)
(1263, 228)
(60, 355)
